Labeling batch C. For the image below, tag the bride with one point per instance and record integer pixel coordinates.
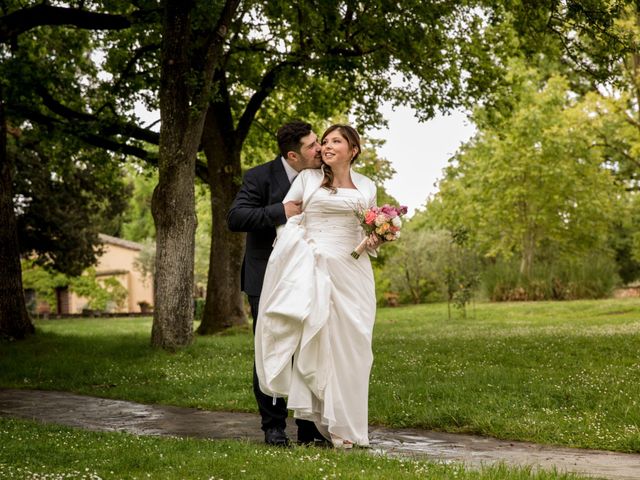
(318, 303)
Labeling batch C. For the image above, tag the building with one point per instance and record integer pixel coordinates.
(117, 261)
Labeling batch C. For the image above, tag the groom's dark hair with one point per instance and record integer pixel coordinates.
(289, 136)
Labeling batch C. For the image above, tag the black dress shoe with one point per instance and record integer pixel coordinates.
(309, 435)
(276, 436)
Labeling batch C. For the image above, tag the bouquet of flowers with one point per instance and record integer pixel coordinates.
(382, 222)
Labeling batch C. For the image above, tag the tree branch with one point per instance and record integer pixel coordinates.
(126, 71)
(571, 55)
(226, 16)
(126, 129)
(20, 21)
(605, 144)
(213, 55)
(270, 79)
(91, 138)
(102, 139)
(267, 84)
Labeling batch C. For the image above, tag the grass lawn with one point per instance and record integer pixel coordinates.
(551, 372)
(30, 450)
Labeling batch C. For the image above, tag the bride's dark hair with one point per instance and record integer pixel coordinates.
(353, 139)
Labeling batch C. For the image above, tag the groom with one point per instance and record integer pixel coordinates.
(257, 210)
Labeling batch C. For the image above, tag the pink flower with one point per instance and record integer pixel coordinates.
(389, 211)
(370, 217)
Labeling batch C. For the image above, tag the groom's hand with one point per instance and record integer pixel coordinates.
(291, 209)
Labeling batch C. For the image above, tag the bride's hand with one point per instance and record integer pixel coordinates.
(373, 242)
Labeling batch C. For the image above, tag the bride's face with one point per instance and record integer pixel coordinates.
(336, 149)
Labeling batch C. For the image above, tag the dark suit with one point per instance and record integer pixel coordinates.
(257, 210)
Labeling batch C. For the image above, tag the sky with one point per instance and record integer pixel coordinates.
(419, 151)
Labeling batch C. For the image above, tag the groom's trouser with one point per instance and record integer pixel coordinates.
(272, 415)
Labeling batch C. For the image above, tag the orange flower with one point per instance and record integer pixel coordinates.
(370, 217)
(382, 229)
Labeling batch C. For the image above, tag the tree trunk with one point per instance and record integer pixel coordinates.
(174, 216)
(414, 291)
(173, 203)
(528, 252)
(14, 319)
(224, 304)
(189, 59)
(635, 62)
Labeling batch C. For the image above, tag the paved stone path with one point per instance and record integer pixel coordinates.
(116, 415)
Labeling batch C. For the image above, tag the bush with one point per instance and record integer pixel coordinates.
(103, 295)
(413, 270)
(592, 276)
(198, 308)
(427, 266)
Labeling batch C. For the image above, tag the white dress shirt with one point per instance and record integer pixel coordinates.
(291, 172)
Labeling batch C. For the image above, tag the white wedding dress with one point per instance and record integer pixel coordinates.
(318, 306)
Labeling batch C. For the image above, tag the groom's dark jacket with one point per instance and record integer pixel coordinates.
(257, 210)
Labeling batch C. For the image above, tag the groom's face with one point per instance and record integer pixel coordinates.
(309, 156)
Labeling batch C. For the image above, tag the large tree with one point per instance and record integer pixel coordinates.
(533, 183)
(190, 51)
(18, 81)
